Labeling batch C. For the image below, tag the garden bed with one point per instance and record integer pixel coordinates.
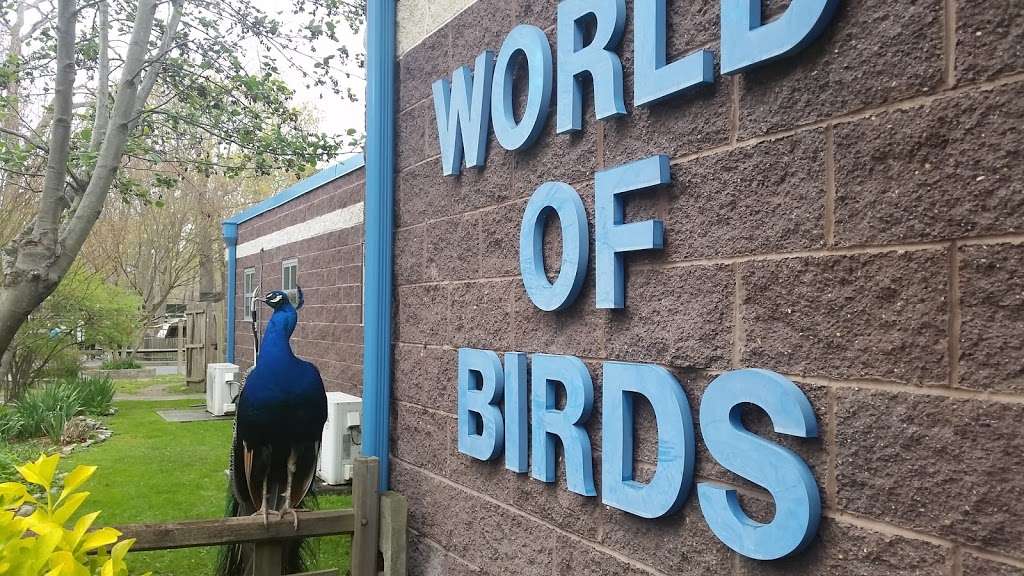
(130, 374)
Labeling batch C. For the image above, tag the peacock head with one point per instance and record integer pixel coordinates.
(277, 300)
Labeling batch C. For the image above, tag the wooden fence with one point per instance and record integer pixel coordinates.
(376, 521)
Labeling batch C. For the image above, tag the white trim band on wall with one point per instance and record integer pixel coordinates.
(331, 222)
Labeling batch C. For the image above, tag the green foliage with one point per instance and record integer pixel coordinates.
(96, 395)
(45, 411)
(83, 311)
(10, 427)
(42, 544)
(121, 364)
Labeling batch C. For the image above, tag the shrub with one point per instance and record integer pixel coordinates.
(42, 543)
(96, 395)
(124, 364)
(45, 410)
(10, 423)
(64, 364)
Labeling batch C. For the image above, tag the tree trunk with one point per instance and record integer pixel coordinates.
(5, 373)
(17, 300)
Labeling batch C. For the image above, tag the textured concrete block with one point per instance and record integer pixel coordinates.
(570, 158)
(977, 566)
(989, 39)
(408, 256)
(451, 248)
(874, 52)
(992, 317)
(481, 26)
(942, 466)
(418, 68)
(946, 170)
(421, 314)
(422, 193)
(417, 135)
(763, 199)
(863, 316)
(499, 239)
(481, 314)
(678, 544)
(426, 376)
(478, 188)
(477, 530)
(580, 330)
(677, 316)
(577, 557)
(846, 550)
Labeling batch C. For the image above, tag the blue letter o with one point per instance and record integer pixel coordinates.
(563, 200)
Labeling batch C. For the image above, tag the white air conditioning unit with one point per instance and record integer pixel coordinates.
(221, 388)
(338, 449)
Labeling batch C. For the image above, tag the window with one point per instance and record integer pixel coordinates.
(248, 286)
(290, 277)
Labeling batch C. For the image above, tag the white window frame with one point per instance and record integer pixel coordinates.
(292, 263)
(247, 290)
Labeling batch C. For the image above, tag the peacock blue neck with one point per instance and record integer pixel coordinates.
(279, 330)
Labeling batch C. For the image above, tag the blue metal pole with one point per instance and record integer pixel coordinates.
(380, 167)
(230, 232)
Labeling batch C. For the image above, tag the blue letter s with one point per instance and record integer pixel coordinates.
(783, 473)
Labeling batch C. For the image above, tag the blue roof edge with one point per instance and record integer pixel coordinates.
(301, 187)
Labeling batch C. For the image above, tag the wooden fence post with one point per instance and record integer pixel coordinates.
(394, 513)
(366, 504)
(267, 559)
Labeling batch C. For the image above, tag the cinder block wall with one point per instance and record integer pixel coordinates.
(852, 217)
(330, 271)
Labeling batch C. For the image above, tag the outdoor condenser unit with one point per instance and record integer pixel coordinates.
(221, 388)
(338, 448)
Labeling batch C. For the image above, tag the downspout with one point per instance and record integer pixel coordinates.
(230, 233)
(380, 166)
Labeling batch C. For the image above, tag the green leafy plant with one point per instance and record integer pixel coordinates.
(46, 410)
(42, 544)
(96, 395)
(10, 423)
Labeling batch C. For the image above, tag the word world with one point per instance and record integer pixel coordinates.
(465, 108)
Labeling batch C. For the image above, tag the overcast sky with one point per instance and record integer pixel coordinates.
(336, 114)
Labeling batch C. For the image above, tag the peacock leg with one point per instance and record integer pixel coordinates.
(264, 508)
(288, 491)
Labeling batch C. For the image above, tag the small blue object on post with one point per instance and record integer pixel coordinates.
(565, 424)
(653, 80)
(531, 42)
(776, 468)
(612, 235)
(597, 58)
(563, 200)
(668, 489)
(463, 114)
(516, 437)
(481, 383)
(746, 42)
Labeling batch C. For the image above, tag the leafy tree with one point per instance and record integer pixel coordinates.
(83, 311)
(91, 87)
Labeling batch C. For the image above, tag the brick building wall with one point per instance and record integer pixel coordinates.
(851, 217)
(330, 272)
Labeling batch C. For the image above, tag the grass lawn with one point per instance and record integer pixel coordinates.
(155, 471)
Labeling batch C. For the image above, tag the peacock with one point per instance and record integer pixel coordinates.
(279, 421)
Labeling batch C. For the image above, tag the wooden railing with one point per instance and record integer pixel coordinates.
(376, 521)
